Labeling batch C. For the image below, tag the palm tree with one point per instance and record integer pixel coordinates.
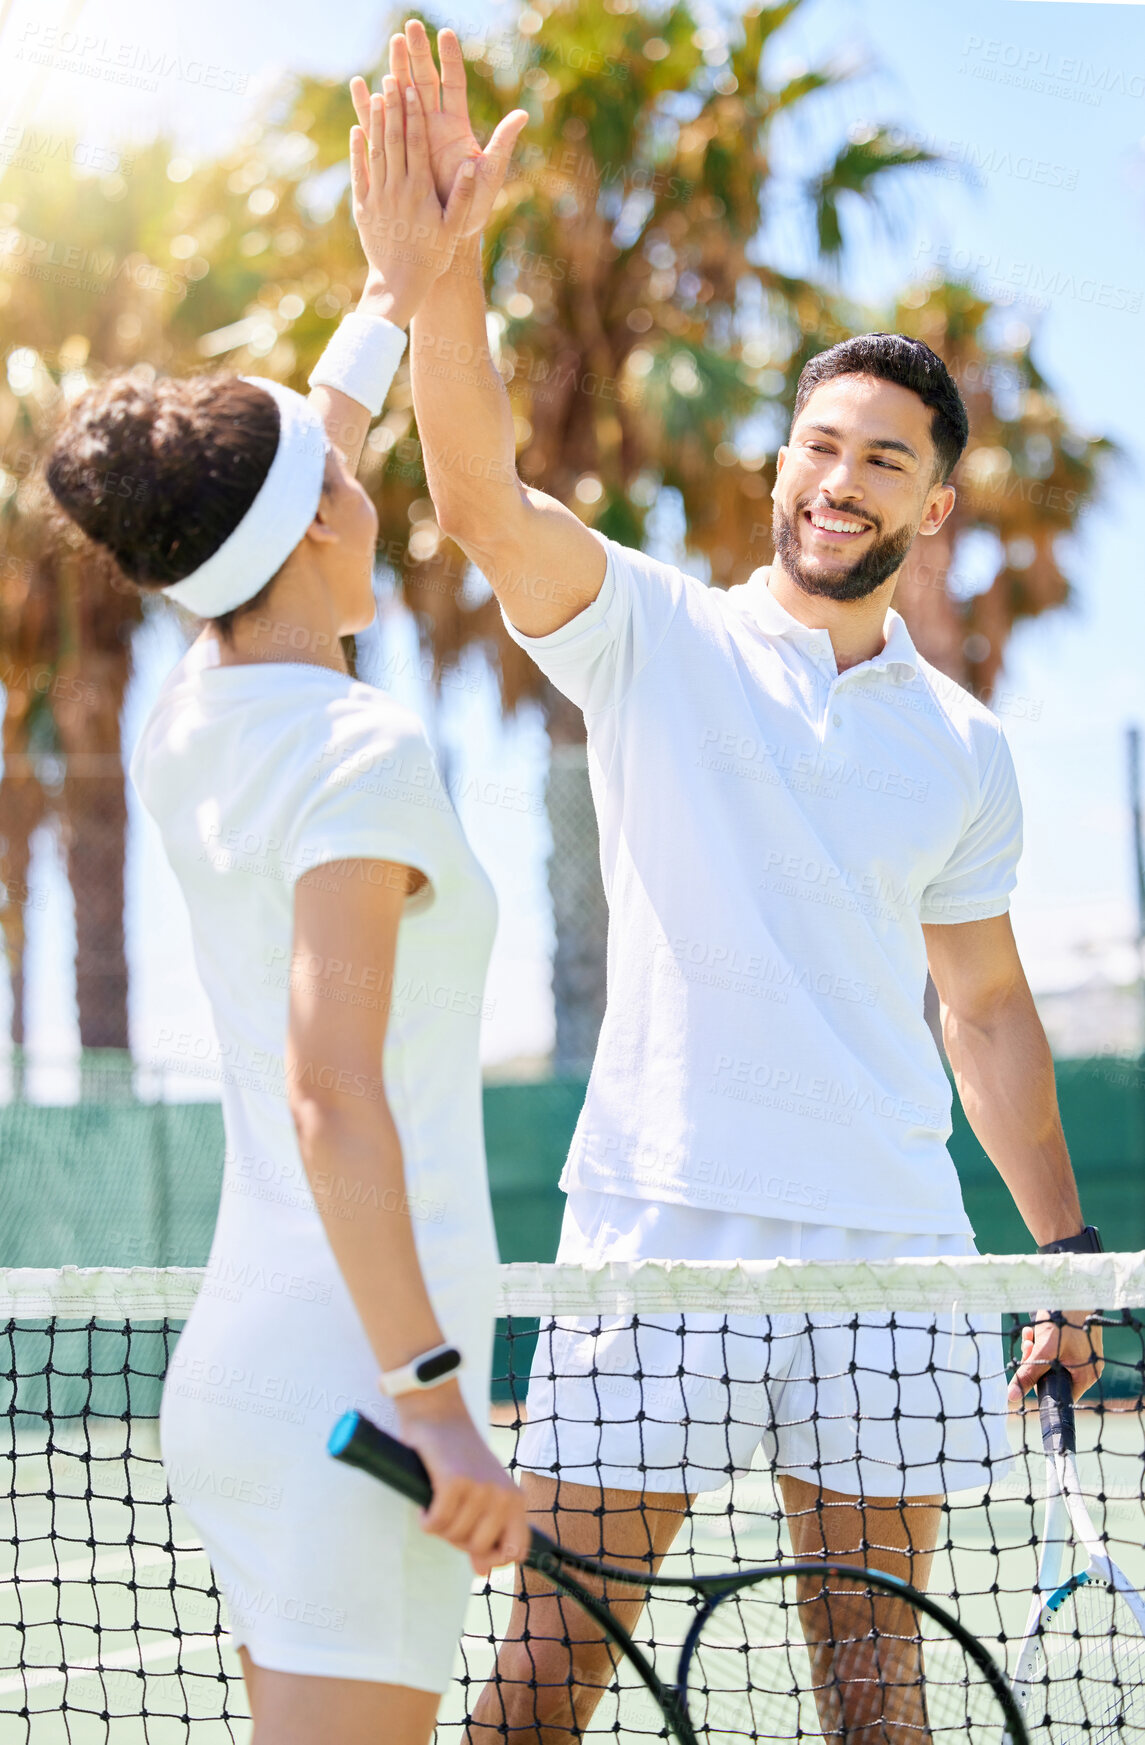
(647, 351)
(642, 337)
(82, 293)
(620, 255)
(1025, 479)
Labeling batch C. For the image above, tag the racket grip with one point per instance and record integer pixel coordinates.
(361, 1443)
(1055, 1405)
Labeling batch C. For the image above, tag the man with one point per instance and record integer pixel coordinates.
(797, 816)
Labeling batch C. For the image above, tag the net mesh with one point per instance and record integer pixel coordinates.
(766, 1667)
(757, 1387)
(1088, 1674)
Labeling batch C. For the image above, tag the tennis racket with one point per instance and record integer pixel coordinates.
(1081, 1668)
(744, 1671)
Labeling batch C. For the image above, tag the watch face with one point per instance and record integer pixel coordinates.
(442, 1363)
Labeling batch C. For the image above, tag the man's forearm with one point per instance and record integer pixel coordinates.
(1005, 1077)
(463, 414)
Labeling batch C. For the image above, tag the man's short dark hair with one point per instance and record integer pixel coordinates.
(892, 357)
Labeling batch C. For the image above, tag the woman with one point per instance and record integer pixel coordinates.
(341, 928)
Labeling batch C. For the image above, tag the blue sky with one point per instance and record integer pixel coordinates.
(956, 79)
(1048, 101)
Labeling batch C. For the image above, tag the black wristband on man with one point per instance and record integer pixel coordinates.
(1087, 1241)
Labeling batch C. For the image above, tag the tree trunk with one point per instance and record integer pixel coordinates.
(22, 809)
(95, 819)
(580, 913)
(96, 813)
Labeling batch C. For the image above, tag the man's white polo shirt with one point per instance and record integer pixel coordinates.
(772, 836)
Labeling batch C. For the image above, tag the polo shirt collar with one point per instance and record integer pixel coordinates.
(898, 650)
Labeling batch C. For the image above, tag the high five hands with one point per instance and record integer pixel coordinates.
(420, 183)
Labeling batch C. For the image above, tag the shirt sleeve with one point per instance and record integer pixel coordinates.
(594, 658)
(976, 881)
(372, 792)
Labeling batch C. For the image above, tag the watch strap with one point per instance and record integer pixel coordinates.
(1087, 1241)
(430, 1370)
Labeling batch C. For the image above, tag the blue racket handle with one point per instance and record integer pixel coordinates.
(1055, 1404)
(360, 1443)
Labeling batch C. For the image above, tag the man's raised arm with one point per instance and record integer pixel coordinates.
(543, 564)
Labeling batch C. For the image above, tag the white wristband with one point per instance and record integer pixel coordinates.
(429, 1370)
(361, 359)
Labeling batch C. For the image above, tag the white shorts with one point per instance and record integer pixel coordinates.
(878, 1405)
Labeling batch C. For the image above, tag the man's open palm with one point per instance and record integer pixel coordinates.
(445, 105)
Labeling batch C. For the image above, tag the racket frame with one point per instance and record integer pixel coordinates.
(1065, 1507)
(359, 1442)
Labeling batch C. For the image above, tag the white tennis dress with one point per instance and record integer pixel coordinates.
(256, 774)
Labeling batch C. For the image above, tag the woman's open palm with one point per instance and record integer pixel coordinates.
(445, 107)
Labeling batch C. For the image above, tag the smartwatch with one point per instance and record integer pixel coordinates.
(1087, 1241)
(424, 1372)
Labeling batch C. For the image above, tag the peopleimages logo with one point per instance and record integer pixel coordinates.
(206, 1481)
(1032, 283)
(118, 62)
(232, 1279)
(976, 159)
(723, 964)
(732, 1183)
(1053, 75)
(23, 148)
(736, 753)
(732, 1072)
(247, 1605)
(90, 270)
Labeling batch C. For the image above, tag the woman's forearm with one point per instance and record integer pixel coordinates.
(346, 422)
(353, 1160)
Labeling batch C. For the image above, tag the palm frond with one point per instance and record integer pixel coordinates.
(857, 170)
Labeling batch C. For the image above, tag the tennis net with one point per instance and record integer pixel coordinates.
(649, 1379)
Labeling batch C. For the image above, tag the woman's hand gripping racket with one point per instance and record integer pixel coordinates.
(744, 1671)
(1081, 1669)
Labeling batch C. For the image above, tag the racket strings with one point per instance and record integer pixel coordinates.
(770, 1664)
(1090, 1684)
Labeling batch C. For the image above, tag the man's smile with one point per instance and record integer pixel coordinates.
(834, 528)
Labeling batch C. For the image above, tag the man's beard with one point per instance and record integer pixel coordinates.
(882, 558)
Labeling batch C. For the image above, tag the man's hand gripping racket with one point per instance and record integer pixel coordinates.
(1080, 1674)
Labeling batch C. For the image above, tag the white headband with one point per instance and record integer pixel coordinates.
(275, 522)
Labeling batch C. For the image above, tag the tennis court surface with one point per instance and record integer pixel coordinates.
(110, 1626)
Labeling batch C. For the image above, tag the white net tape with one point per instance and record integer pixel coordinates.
(984, 1284)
